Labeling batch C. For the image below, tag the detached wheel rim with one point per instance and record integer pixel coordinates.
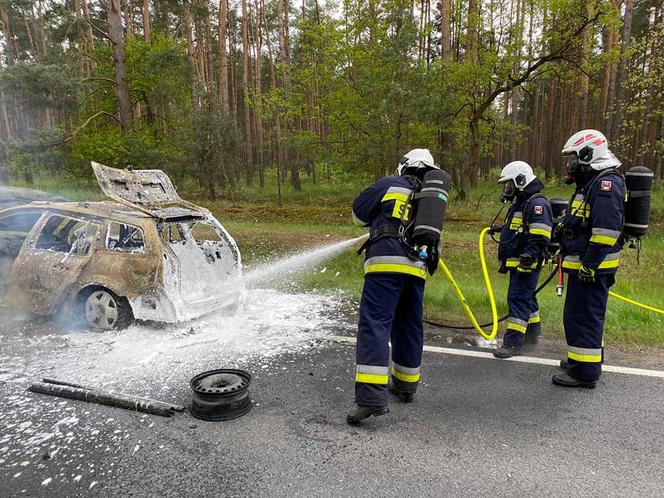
(101, 310)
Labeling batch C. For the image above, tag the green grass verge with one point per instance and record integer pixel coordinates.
(625, 324)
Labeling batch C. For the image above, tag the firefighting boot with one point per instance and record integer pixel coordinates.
(363, 411)
(533, 333)
(404, 397)
(507, 352)
(564, 363)
(566, 380)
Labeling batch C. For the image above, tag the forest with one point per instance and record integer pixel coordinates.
(235, 92)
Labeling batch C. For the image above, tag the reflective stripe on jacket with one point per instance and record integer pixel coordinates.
(526, 233)
(387, 201)
(593, 224)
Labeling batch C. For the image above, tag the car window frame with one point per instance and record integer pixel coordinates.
(37, 231)
(104, 245)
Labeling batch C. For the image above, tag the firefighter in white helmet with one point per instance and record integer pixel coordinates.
(402, 212)
(524, 239)
(590, 244)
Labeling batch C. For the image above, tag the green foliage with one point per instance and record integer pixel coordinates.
(41, 86)
(213, 143)
(365, 84)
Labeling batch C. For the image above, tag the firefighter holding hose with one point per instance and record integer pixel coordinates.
(405, 214)
(524, 239)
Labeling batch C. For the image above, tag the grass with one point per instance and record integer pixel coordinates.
(320, 214)
(625, 324)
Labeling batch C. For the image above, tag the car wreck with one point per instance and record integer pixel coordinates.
(146, 254)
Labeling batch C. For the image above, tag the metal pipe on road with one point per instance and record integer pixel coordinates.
(125, 401)
(177, 408)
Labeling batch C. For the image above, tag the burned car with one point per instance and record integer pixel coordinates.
(145, 255)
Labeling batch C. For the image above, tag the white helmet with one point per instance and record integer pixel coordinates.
(414, 160)
(590, 147)
(518, 171)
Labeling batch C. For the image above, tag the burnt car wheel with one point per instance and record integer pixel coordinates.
(106, 311)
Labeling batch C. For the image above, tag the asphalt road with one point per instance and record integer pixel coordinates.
(477, 427)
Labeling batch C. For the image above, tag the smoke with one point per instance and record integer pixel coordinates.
(10, 246)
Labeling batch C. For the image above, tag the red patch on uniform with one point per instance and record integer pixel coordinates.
(539, 209)
(606, 185)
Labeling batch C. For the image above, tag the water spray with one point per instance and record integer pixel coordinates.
(299, 261)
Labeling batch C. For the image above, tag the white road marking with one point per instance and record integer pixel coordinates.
(520, 359)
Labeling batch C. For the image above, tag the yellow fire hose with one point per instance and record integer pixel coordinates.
(489, 289)
(492, 300)
(636, 303)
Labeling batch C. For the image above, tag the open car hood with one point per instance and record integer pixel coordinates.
(149, 190)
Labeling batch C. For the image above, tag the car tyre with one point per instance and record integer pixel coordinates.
(103, 310)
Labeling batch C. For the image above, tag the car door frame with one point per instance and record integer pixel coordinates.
(25, 289)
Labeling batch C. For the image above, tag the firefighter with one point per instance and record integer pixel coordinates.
(395, 270)
(524, 239)
(590, 244)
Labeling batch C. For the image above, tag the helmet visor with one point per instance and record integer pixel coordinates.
(573, 165)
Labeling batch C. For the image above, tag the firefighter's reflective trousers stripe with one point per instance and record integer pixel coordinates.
(583, 318)
(390, 311)
(524, 310)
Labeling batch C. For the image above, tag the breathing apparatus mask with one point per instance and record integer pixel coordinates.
(509, 192)
(512, 187)
(576, 163)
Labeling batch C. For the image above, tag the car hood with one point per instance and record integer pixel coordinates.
(150, 191)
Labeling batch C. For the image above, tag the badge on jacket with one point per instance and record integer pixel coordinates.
(539, 209)
(606, 185)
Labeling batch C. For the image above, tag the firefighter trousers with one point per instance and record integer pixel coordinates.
(524, 310)
(583, 319)
(390, 311)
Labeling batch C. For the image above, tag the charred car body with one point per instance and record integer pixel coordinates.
(145, 255)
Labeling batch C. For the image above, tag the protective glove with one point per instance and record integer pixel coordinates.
(495, 228)
(525, 263)
(587, 275)
(425, 240)
(432, 260)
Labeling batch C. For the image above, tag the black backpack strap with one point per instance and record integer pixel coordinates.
(526, 206)
(390, 228)
(386, 230)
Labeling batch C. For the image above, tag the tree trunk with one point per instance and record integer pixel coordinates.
(9, 38)
(276, 136)
(147, 23)
(205, 43)
(88, 31)
(260, 159)
(626, 41)
(233, 67)
(42, 29)
(8, 134)
(186, 18)
(585, 113)
(553, 154)
(284, 45)
(610, 37)
(249, 157)
(129, 21)
(472, 44)
(31, 39)
(223, 56)
(445, 20)
(116, 35)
